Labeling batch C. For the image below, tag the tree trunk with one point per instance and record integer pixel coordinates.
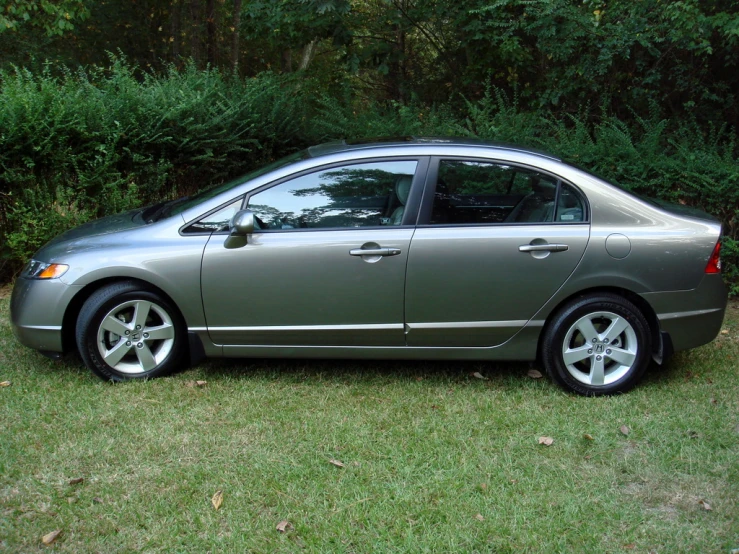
(307, 55)
(195, 30)
(174, 28)
(210, 22)
(287, 61)
(235, 37)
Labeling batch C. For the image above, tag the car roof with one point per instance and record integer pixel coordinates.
(393, 142)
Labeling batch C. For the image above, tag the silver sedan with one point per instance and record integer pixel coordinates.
(404, 249)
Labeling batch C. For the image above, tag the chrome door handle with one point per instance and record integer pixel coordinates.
(543, 248)
(374, 252)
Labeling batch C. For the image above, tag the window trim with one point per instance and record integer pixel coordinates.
(429, 192)
(183, 231)
(411, 207)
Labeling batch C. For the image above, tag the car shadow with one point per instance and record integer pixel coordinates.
(353, 371)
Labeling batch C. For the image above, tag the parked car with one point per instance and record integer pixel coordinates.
(402, 248)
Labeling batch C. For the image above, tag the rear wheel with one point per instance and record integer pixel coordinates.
(125, 331)
(597, 344)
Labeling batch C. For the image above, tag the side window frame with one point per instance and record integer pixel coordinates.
(411, 208)
(184, 230)
(432, 176)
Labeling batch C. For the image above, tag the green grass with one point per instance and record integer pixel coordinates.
(427, 449)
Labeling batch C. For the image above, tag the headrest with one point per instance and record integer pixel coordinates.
(403, 188)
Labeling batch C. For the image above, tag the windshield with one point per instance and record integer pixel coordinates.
(183, 204)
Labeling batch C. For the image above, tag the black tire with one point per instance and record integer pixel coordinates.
(112, 346)
(623, 364)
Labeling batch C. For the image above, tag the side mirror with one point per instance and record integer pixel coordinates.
(242, 224)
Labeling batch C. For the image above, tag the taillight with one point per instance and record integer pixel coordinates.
(714, 262)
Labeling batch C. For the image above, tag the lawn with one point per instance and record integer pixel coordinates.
(426, 457)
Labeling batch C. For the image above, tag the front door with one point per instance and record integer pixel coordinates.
(327, 266)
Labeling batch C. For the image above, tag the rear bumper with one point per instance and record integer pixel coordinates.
(37, 310)
(691, 318)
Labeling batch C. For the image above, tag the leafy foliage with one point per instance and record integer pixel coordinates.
(98, 141)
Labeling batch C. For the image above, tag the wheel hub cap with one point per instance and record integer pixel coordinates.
(599, 348)
(135, 336)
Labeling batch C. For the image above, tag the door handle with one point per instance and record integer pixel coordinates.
(543, 248)
(374, 252)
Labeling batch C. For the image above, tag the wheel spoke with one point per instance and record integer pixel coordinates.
(160, 332)
(146, 358)
(587, 329)
(115, 354)
(574, 355)
(597, 371)
(624, 357)
(114, 325)
(141, 313)
(617, 326)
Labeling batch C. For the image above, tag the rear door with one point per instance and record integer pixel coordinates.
(494, 242)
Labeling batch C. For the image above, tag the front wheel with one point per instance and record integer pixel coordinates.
(597, 344)
(125, 331)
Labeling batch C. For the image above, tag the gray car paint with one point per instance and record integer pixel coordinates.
(665, 262)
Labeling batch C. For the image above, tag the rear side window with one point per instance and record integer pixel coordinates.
(357, 195)
(472, 192)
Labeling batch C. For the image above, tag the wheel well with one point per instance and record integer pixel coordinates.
(72, 312)
(638, 301)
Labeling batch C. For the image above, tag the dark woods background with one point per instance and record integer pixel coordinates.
(107, 105)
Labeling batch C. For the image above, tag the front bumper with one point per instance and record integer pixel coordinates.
(37, 311)
(693, 317)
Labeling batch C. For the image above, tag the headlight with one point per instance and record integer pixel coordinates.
(42, 270)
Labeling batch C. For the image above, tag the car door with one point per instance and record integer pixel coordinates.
(326, 266)
(494, 242)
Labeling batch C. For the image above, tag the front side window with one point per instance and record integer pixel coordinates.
(357, 195)
(471, 192)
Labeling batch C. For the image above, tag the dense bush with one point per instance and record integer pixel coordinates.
(89, 143)
(95, 142)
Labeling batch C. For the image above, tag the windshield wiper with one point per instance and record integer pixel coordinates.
(158, 211)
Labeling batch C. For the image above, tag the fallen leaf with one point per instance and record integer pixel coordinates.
(483, 486)
(419, 378)
(76, 480)
(97, 500)
(478, 375)
(546, 441)
(624, 430)
(71, 500)
(51, 537)
(588, 436)
(714, 401)
(5, 384)
(337, 463)
(705, 505)
(217, 499)
(724, 331)
(284, 525)
(630, 546)
(479, 517)
(534, 374)
(201, 383)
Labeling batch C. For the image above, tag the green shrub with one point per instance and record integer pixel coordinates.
(89, 143)
(97, 141)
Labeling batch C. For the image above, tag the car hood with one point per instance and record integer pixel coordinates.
(110, 224)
